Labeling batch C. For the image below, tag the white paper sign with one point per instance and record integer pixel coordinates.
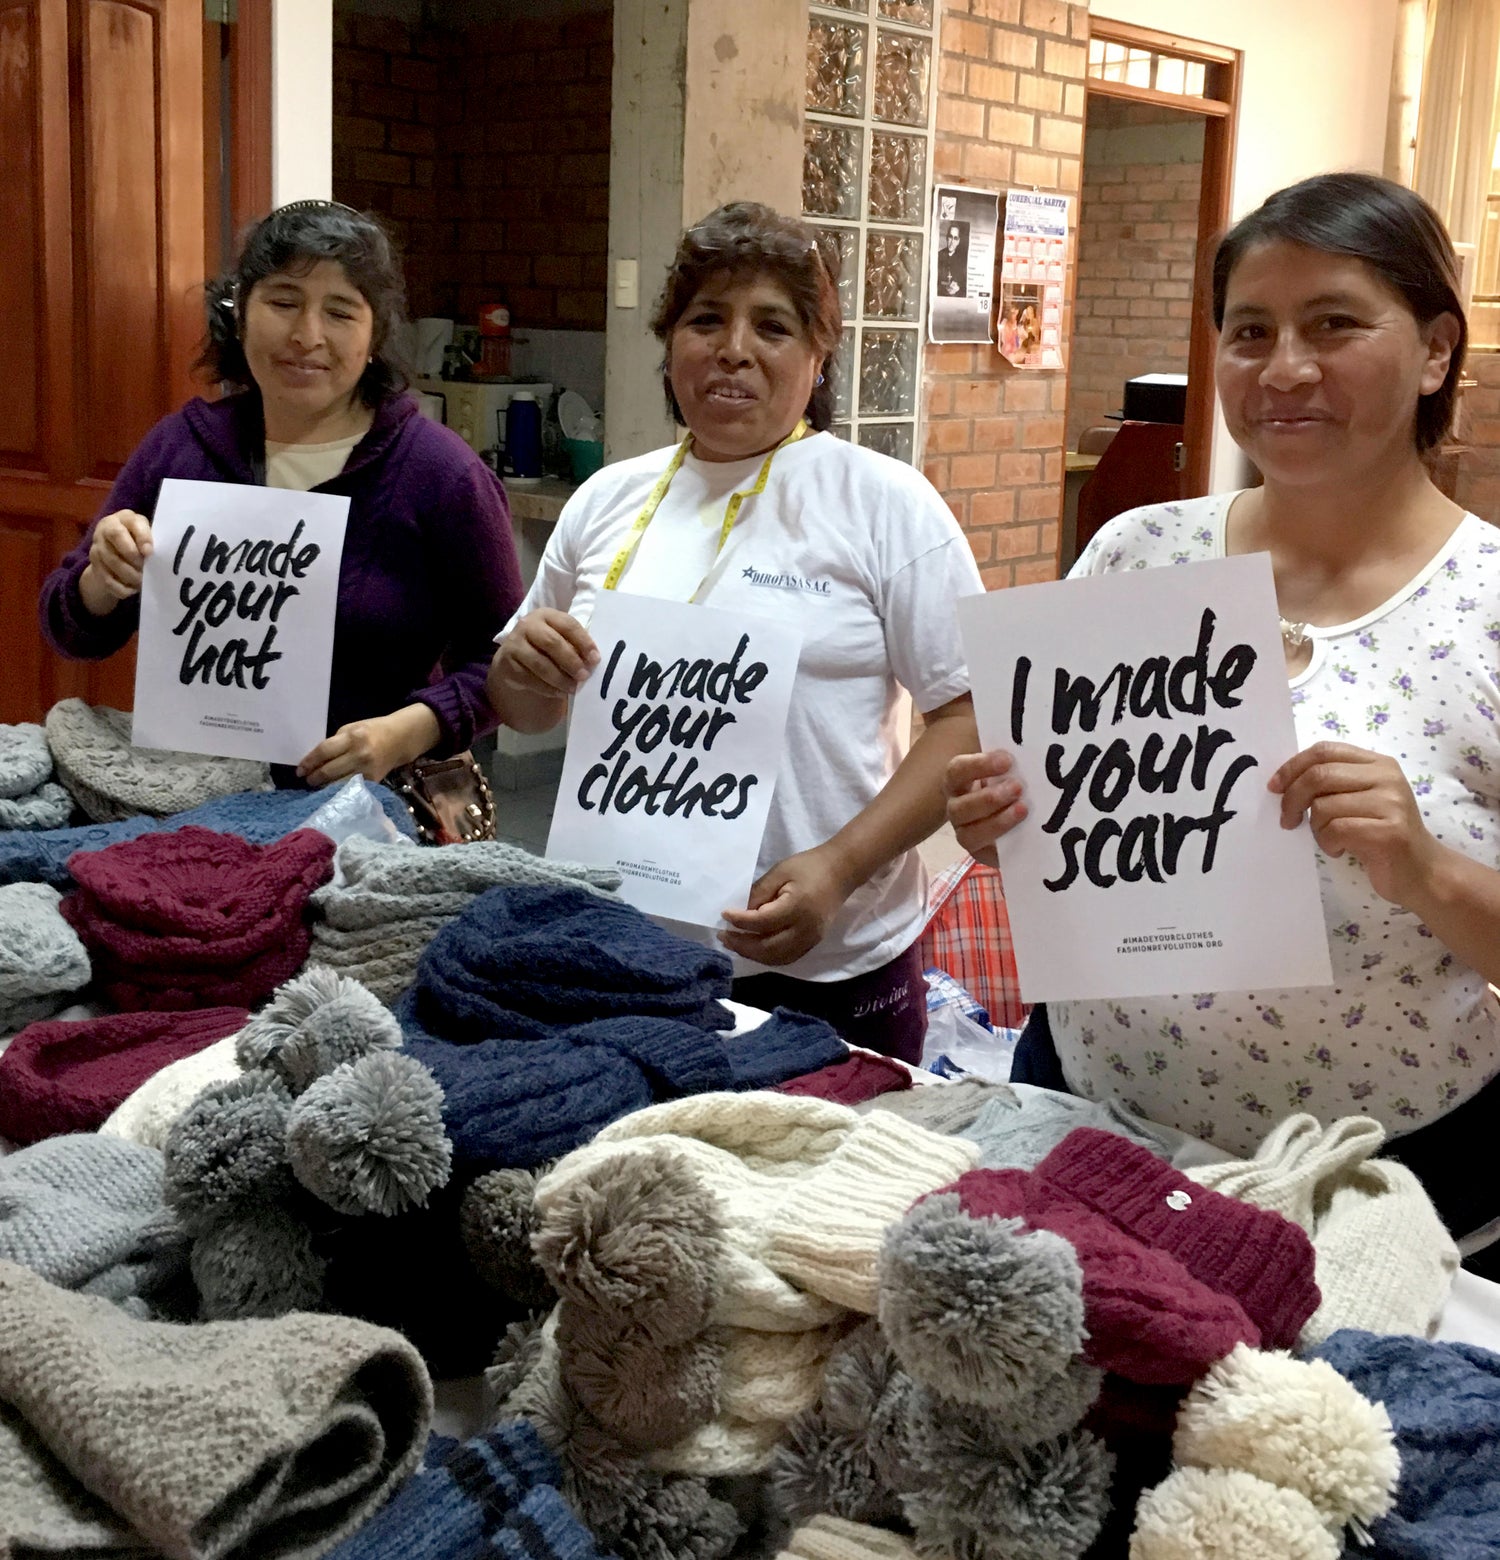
(673, 751)
(237, 607)
(1146, 711)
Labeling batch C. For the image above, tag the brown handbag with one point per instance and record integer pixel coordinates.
(449, 799)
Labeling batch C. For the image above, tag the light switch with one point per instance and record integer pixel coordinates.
(627, 284)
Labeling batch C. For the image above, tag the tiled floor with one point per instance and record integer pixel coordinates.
(523, 818)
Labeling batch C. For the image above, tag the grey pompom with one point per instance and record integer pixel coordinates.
(819, 1469)
(315, 1022)
(260, 1262)
(646, 1394)
(228, 1150)
(368, 1137)
(1046, 1503)
(495, 1221)
(980, 1310)
(1057, 1406)
(639, 1238)
(865, 1396)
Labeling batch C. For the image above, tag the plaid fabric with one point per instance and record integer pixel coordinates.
(968, 935)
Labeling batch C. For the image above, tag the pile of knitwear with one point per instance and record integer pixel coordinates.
(112, 780)
(42, 962)
(193, 918)
(547, 1012)
(267, 1438)
(257, 816)
(388, 901)
(710, 1254)
(68, 1075)
(29, 796)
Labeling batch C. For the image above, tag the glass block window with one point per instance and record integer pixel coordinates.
(866, 187)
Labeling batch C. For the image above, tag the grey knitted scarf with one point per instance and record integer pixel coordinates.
(257, 1440)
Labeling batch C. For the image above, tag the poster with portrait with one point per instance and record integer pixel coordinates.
(961, 276)
(1033, 276)
(238, 599)
(1146, 711)
(673, 750)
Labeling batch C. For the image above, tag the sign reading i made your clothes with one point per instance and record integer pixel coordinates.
(673, 750)
(238, 601)
(1146, 711)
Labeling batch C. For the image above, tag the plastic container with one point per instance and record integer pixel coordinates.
(523, 436)
(586, 457)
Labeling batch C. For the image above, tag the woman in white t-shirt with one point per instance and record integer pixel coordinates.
(761, 511)
(1341, 342)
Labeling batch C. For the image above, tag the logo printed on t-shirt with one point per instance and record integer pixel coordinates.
(785, 581)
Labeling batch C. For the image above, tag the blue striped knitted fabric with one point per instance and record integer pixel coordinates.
(493, 1496)
(41, 856)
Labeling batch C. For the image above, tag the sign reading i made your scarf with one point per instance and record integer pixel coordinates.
(673, 750)
(1146, 712)
(238, 601)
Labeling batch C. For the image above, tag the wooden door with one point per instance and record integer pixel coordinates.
(102, 201)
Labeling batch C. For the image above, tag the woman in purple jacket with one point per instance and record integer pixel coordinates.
(303, 331)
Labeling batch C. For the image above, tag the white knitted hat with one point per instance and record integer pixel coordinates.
(148, 1115)
(806, 1190)
(1385, 1263)
(110, 779)
(832, 1538)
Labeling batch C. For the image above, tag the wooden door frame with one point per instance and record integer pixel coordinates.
(1221, 114)
(250, 134)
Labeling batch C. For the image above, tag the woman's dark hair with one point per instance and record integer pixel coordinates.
(1394, 231)
(746, 238)
(294, 239)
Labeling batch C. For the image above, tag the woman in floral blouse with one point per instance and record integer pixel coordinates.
(1341, 342)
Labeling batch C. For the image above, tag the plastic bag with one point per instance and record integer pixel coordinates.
(353, 810)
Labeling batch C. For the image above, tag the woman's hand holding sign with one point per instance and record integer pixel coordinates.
(121, 545)
(541, 663)
(1360, 805)
(791, 908)
(373, 747)
(984, 800)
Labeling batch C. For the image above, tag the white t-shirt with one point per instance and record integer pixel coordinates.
(862, 557)
(302, 467)
(1406, 1032)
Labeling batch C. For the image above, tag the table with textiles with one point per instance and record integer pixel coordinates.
(298, 1126)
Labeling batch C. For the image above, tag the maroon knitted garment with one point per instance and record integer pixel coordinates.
(1148, 1318)
(1263, 1260)
(65, 1075)
(194, 882)
(131, 988)
(857, 1078)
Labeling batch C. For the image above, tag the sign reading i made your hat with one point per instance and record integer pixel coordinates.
(1146, 711)
(673, 750)
(237, 609)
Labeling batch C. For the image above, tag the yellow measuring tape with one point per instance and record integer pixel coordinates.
(731, 513)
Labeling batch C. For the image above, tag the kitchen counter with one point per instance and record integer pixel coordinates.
(539, 500)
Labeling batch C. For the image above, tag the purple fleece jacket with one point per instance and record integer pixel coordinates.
(429, 573)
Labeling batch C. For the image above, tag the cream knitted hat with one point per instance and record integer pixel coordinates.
(806, 1190)
(25, 762)
(1385, 1263)
(147, 1116)
(831, 1538)
(111, 780)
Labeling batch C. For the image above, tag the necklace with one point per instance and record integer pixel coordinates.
(1294, 634)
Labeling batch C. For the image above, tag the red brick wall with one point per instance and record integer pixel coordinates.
(1010, 111)
(488, 150)
(1132, 314)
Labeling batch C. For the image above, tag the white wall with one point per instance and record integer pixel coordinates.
(1314, 95)
(301, 100)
